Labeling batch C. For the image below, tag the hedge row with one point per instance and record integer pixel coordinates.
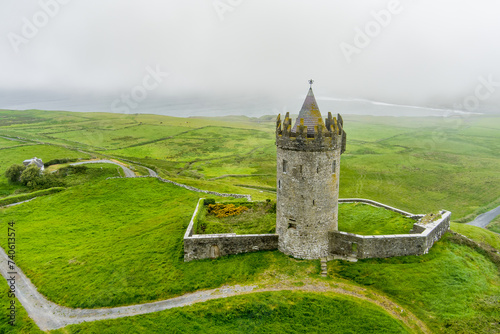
(24, 197)
(58, 162)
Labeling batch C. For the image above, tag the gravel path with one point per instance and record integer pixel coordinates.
(14, 204)
(14, 139)
(49, 316)
(128, 172)
(151, 172)
(484, 219)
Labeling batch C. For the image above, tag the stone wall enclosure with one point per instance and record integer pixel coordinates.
(417, 242)
(206, 246)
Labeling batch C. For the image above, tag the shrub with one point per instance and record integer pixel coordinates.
(273, 208)
(78, 169)
(58, 162)
(13, 173)
(225, 210)
(50, 180)
(31, 177)
(209, 201)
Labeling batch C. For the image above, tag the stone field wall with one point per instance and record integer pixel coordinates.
(373, 246)
(248, 197)
(206, 246)
(417, 242)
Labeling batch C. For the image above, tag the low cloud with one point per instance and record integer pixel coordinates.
(429, 53)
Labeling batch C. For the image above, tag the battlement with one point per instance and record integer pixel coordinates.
(327, 136)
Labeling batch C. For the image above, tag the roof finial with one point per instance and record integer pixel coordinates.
(311, 81)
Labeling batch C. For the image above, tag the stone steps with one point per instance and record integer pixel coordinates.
(324, 267)
(345, 258)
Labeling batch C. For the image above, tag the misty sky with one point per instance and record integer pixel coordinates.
(426, 52)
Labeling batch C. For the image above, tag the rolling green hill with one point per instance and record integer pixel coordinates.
(102, 243)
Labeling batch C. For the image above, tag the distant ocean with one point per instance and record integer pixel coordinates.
(211, 107)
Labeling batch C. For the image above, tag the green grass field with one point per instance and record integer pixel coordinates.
(90, 245)
(16, 155)
(258, 219)
(91, 173)
(454, 289)
(355, 218)
(416, 164)
(478, 234)
(269, 312)
(23, 323)
(365, 219)
(494, 225)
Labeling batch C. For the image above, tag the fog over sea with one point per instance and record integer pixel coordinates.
(251, 106)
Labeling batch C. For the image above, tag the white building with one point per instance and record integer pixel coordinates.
(37, 162)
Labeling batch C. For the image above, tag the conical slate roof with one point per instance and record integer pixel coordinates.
(310, 113)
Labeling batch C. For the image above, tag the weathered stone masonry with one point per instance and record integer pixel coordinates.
(372, 246)
(417, 242)
(197, 247)
(308, 166)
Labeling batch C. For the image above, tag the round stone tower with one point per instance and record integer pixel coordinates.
(308, 165)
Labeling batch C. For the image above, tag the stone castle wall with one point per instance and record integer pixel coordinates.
(380, 205)
(206, 246)
(376, 246)
(308, 166)
(307, 197)
(417, 242)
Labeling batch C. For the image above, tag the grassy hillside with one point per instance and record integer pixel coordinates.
(454, 289)
(269, 312)
(368, 220)
(17, 154)
(495, 225)
(261, 218)
(23, 323)
(478, 234)
(119, 242)
(95, 252)
(255, 218)
(416, 164)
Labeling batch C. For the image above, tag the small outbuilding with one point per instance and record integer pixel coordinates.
(36, 161)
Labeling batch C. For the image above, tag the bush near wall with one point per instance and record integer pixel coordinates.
(58, 162)
(225, 210)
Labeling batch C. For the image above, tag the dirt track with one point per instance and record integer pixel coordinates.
(48, 315)
(484, 219)
(128, 172)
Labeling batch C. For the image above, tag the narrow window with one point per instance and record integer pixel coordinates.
(314, 203)
(300, 169)
(317, 169)
(279, 184)
(334, 166)
(284, 166)
(291, 225)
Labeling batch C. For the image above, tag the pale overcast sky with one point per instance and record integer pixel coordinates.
(426, 52)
